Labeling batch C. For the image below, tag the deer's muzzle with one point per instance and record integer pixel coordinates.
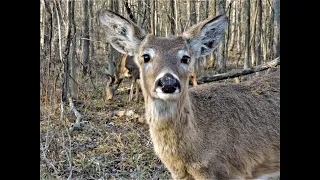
(168, 84)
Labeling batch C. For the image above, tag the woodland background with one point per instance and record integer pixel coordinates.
(89, 129)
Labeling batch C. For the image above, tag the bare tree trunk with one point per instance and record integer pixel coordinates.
(48, 45)
(253, 34)
(264, 36)
(47, 36)
(198, 68)
(73, 65)
(130, 13)
(116, 6)
(247, 36)
(113, 54)
(259, 33)
(227, 35)
(234, 25)
(211, 61)
(230, 2)
(152, 13)
(161, 26)
(85, 35)
(198, 64)
(212, 56)
(176, 17)
(145, 17)
(140, 5)
(207, 12)
(42, 25)
(65, 83)
(213, 8)
(91, 30)
(181, 13)
(133, 81)
(276, 5)
(193, 13)
(59, 19)
(189, 11)
(221, 49)
(172, 18)
(271, 27)
(156, 17)
(197, 4)
(97, 22)
(239, 27)
(193, 21)
(137, 90)
(148, 16)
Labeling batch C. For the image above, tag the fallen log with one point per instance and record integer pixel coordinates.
(217, 77)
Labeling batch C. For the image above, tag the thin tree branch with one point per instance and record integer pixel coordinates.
(47, 160)
(126, 4)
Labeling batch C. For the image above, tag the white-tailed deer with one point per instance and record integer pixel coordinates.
(211, 131)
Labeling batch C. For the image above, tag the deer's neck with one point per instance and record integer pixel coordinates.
(174, 113)
(172, 126)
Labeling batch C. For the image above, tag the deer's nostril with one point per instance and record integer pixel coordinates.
(160, 84)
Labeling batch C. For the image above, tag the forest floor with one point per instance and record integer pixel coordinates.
(106, 146)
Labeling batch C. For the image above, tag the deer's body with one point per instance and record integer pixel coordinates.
(213, 131)
(229, 131)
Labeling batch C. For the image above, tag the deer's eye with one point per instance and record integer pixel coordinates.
(146, 58)
(185, 59)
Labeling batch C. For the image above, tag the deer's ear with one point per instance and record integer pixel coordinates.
(122, 34)
(204, 37)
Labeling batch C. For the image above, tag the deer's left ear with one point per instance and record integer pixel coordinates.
(204, 37)
(122, 34)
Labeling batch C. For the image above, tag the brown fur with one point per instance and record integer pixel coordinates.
(210, 131)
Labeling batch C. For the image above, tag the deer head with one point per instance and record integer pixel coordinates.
(163, 62)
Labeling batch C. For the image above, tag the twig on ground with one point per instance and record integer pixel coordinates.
(47, 160)
(68, 152)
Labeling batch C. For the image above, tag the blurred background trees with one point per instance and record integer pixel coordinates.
(252, 38)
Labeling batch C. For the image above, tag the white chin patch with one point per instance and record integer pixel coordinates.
(167, 96)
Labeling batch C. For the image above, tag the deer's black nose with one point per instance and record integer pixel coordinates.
(168, 83)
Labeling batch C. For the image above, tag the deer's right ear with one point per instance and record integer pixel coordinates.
(204, 37)
(122, 34)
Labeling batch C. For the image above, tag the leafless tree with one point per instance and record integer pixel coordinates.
(276, 5)
(246, 25)
(85, 37)
(73, 64)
